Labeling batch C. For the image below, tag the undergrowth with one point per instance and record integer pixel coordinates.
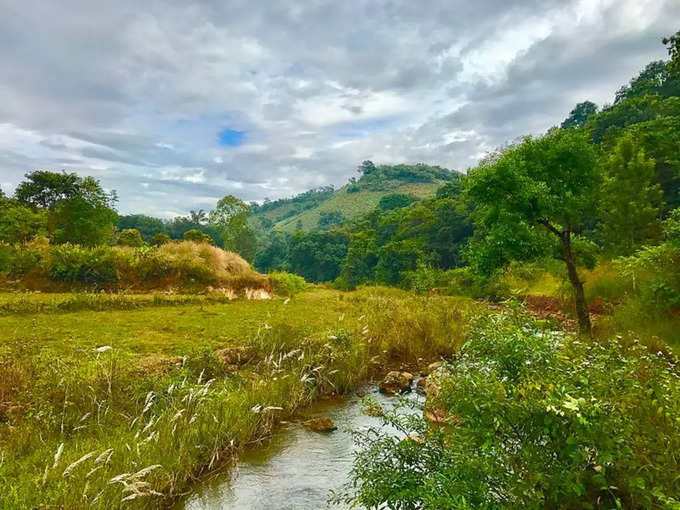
(534, 418)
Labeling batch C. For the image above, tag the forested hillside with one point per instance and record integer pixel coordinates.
(322, 208)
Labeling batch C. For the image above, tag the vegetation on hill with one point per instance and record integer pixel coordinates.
(186, 265)
(597, 188)
(306, 212)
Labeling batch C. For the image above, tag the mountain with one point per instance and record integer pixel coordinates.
(320, 208)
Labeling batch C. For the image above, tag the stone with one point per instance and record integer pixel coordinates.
(432, 367)
(320, 424)
(421, 385)
(239, 355)
(396, 382)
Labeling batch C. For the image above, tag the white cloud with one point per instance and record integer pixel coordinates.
(135, 94)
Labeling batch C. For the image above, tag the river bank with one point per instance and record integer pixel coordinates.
(110, 408)
(297, 468)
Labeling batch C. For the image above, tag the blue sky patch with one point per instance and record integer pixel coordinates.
(230, 138)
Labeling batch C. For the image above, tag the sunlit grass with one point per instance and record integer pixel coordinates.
(102, 409)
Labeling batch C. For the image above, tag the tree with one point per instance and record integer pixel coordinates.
(199, 217)
(19, 222)
(673, 43)
(230, 217)
(655, 79)
(330, 219)
(197, 236)
(274, 255)
(395, 201)
(160, 238)
(358, 266)
(580, 114)
(632, 203)
(366, 167)
(45, 189)
(147, 225)
(130, 237)
(82, 221)
(395, 257)
(79, 210)
(550, 184)
(317, 256)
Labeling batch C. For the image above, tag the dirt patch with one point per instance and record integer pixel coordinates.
(157, 364)
(236, 356)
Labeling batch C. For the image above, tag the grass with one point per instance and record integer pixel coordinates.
(186, 265)
(111, 401)
(353, 205)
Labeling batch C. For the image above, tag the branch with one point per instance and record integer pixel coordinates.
(550, 227)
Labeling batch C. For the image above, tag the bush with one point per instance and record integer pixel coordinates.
(395, 201)
(423, 278)
(21, 260)
(197, 236)
(160, 238)
(72, 263)
(186, 264)
(533, 420)
(287, 284)
(130, 237)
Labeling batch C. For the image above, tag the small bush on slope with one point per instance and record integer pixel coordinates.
(536, 419)
(287, 284)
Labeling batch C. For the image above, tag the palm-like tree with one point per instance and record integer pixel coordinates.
(199, 217)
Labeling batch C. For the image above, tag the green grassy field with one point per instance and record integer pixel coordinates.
(116, 400)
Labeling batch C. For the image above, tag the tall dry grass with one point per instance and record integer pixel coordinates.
(97, 433)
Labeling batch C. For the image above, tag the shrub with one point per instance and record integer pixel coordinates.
(197, 236)
(287, 284)
(21, 260)
(160, 238)
(395, 201)
(423, 278)
(73, 263)
(130, 237)
(183, 264)
(533, 420)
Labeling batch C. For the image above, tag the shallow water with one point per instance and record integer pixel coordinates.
(296, 468)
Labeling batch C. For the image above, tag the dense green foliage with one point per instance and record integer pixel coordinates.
(632, 202)
(69, 208)
(534, 419)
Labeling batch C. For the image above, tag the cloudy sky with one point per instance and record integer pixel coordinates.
(177, 103)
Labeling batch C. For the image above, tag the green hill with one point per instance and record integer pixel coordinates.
(317, 209)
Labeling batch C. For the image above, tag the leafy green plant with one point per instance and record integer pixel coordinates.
(532, 420)
(130, 237)
(286, 284)
(73, 263)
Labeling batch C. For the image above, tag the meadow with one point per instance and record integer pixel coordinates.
(111, 400)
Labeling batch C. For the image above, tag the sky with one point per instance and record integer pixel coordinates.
(175, 104)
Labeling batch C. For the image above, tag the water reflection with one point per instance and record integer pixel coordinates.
(297, 468)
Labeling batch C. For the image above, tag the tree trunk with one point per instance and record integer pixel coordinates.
(579, 297)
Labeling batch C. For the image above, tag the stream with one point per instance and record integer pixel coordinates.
(296, 468)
